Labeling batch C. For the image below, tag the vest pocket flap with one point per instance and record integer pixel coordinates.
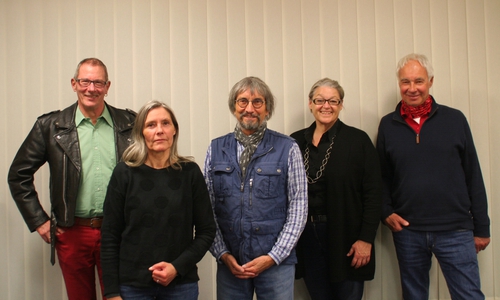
(274, 170)
(222, 168)
(225, 225)
(267, 227)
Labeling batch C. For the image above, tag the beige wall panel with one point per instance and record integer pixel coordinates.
(386, 56)
(223, 59)
(290, 94)
(255, 43)
(196, 95)
(314, 64)
(368, 82)
(123, 77)
(141, 60)
(459, 69)
(421, 23)
(492, 32)
(179, 67)
(349, 61)
(329, 17)
(4, 159)
(160, 52)
(440, 37)
(190, 53)
(274, 73)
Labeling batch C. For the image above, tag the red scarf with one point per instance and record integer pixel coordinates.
(417, 111)
(409, 113)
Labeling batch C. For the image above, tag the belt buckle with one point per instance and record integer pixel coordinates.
(317, 218)
(96, 220)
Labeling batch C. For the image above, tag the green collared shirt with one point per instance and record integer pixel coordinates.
(98, 153)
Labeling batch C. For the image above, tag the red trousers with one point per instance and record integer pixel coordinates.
(79, 253)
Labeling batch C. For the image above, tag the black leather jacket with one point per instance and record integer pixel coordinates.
(54, 139)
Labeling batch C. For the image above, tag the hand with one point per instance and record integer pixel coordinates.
(362, 253)
(395, 222)
(115, 298)
(237, 270)
(163, 273)
(44, 231)
(481, 243)
(259, 264)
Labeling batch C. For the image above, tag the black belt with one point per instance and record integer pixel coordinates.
(317, 218)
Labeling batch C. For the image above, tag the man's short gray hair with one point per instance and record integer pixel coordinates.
(422, 59)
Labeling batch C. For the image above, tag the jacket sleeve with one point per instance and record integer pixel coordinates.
(371, 191)
(29, 158)
(112, 230)
(203, 221)
(387, 174)
(475, 185)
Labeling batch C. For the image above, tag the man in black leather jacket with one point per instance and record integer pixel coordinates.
(82, 144)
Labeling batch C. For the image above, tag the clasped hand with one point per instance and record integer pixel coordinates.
(163, 273)
(249, 270)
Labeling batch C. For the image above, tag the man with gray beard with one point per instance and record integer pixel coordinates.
(258, 188)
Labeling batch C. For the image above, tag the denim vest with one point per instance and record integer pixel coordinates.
(251, 214)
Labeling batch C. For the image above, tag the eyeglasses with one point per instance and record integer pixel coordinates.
(332, 102)
(243, 102)
(86, 82)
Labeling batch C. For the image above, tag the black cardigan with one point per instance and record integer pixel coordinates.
(354, 200)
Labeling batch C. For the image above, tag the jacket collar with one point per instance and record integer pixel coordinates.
(309, 132)
(66, 119)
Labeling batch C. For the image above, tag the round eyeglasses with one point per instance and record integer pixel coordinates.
(256, 103)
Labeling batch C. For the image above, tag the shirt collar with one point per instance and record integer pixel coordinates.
(106, 116)
(329, 134)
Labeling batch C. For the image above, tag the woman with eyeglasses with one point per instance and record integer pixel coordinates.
(336, 249)
(158, 220)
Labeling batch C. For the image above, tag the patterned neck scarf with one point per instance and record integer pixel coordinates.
(417, 111)
(250, 142)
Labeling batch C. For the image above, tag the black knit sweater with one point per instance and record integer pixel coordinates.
(149, 215)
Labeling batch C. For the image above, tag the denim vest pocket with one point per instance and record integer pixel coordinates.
(264, 236)
(268, 180)
(222, 175)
